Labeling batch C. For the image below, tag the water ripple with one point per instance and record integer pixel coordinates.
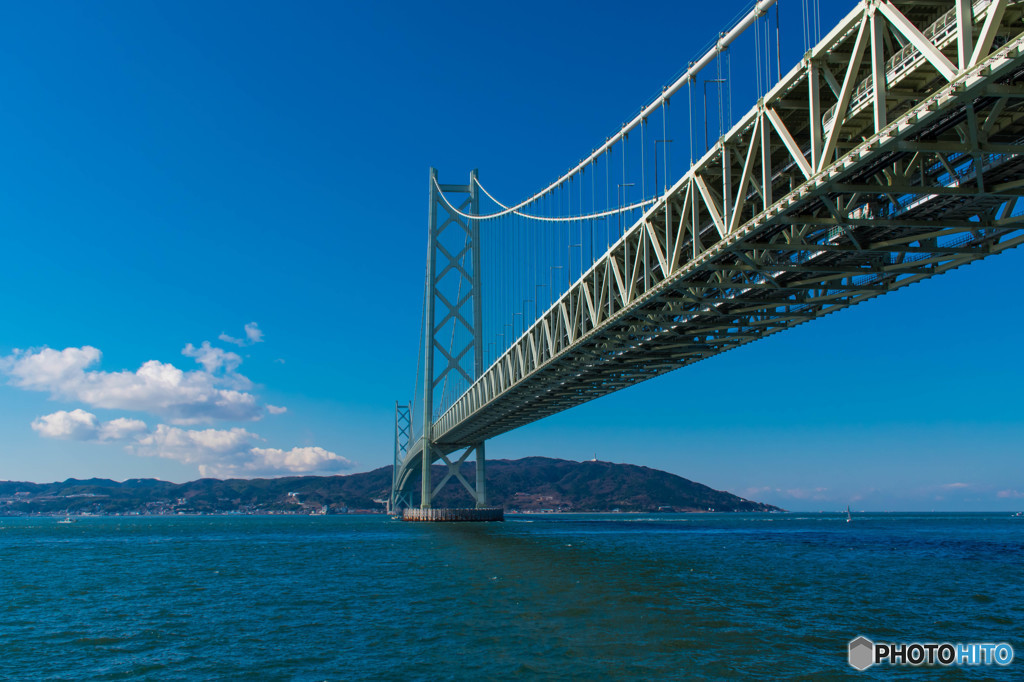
(557, 597)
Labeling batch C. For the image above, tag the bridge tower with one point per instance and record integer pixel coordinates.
(452, 327)
(403, 438)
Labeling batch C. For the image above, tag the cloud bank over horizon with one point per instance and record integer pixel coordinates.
(217, 453)
(214, 393)
(233, 453)
(159, 388)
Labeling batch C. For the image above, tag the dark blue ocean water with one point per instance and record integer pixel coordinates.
(700, 596)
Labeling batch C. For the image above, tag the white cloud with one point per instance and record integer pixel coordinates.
(156, 387)
(232, 453)
(119, 429)
(213, 359)
(82, 425)
(1010, 494)
(954, 486)
(219, 453)
(216, 391)
(219, 363)
(194, 446)
(307, 460)
(74, 425)
(253, 334)
(39, 371)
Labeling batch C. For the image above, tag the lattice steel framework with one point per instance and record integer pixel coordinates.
(892, 153)
(452, 342)
(403, 436)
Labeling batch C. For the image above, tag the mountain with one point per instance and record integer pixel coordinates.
(536, 483)
(528, 484)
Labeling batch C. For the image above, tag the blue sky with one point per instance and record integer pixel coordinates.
(176, 171)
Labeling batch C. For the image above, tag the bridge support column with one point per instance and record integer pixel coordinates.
(403, 436)
(452, 350)
(426, 487)
(429, 341)
(481, 477)
(478, 330)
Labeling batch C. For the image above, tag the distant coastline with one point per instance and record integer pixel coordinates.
(528, 485)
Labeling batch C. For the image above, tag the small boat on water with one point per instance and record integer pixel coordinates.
(849, 517)
(68, 519)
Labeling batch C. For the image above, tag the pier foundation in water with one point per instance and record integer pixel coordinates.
(473, 514)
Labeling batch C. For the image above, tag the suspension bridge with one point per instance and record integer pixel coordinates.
(892, 152)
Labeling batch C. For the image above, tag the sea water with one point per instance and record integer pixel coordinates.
(617, 596)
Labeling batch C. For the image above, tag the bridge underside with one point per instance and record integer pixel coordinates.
(893, 153)
(785, 221)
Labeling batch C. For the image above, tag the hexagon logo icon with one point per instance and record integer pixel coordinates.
(862, 653)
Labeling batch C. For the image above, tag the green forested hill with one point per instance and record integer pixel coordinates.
(528, 484)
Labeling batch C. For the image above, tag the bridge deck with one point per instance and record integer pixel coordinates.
(786, 220)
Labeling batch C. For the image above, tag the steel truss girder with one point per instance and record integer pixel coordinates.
(801, 210)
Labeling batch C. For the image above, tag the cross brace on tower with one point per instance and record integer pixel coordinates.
(452, 341)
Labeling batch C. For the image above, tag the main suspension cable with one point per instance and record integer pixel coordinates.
(725, 39)
(515, 209)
